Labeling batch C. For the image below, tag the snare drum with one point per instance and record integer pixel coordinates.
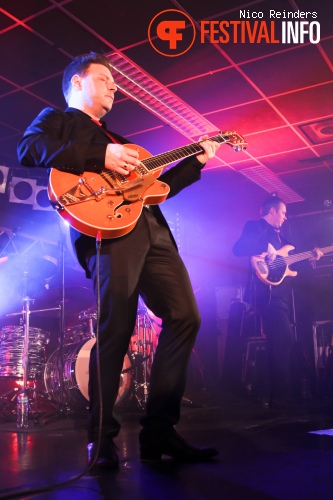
(76, 375)
(11, 351)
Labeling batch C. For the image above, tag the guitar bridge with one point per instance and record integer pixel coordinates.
(76, 194)
(98, 195)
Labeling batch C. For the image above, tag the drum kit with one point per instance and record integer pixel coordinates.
(60, 378)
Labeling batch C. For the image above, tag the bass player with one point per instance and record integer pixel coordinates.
(272, 301)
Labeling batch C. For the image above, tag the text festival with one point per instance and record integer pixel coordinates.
(260, 31)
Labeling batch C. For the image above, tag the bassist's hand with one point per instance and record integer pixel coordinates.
(317, 254)
(271, 253)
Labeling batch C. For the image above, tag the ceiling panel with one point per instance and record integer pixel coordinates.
(279, 96)
(203, 60)
(305, 105)
(35, 59)
(21, 10)
(72, 38)
(123, 25)
(274, 141)
(302, 67)
(249, 118)
(5, 87)
(48, 91)
(218, 90)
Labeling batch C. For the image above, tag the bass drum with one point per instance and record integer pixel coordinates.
(76, 375)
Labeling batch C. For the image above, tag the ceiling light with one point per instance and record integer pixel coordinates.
(271, 183)
(141, 87)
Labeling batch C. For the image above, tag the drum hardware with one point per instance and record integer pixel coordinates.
(11, 352)
(143, 349)
(134, 378)
(77, 333)
(25, 268)
(70, 300)
(74, 298)
(76, 375)
(62, 409)
(90, 316)
(66, 302)
(8, 400)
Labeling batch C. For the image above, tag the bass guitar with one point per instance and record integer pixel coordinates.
(110, 203)
(273, 273)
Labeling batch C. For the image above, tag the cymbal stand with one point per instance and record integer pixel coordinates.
(25, 352)
(8, 401)
(24, 392)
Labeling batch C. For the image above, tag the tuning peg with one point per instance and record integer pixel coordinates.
(239, 147)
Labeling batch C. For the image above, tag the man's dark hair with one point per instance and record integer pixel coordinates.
(272, 201)
(79, 66)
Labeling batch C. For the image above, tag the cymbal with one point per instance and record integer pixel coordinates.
(30, 267)
(76, 299)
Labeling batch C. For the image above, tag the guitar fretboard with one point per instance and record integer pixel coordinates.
(164, 159)
(148, 165)
(290, 259)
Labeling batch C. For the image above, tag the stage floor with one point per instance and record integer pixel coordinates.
(264, 454)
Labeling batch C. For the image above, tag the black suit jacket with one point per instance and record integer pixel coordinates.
(254, 241)
(72, 142)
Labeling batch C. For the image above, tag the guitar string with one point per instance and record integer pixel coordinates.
(294, 258)
(154, 162)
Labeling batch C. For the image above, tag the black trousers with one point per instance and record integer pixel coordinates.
(279, 332)
(144, 262)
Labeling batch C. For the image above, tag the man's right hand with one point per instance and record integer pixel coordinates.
(121, 159)
(271, 253)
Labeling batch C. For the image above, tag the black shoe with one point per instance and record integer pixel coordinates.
(174, 446)
(107, 456)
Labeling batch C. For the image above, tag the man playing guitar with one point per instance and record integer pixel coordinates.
(262, 242)
(141, 259)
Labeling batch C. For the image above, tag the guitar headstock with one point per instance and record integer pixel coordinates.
(235, 140)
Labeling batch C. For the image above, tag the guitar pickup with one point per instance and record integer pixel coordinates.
(262, 267)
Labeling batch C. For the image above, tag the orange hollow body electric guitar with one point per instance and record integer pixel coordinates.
(110, 203)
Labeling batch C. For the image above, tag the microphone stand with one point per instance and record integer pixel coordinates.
(62, 328)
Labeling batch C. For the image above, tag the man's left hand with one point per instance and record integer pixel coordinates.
(317, 254)
(209, 147)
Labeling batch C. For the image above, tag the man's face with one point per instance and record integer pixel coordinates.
(278, 216)
(98, 89)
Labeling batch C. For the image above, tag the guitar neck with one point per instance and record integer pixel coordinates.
(164, 159)
(306, 255)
